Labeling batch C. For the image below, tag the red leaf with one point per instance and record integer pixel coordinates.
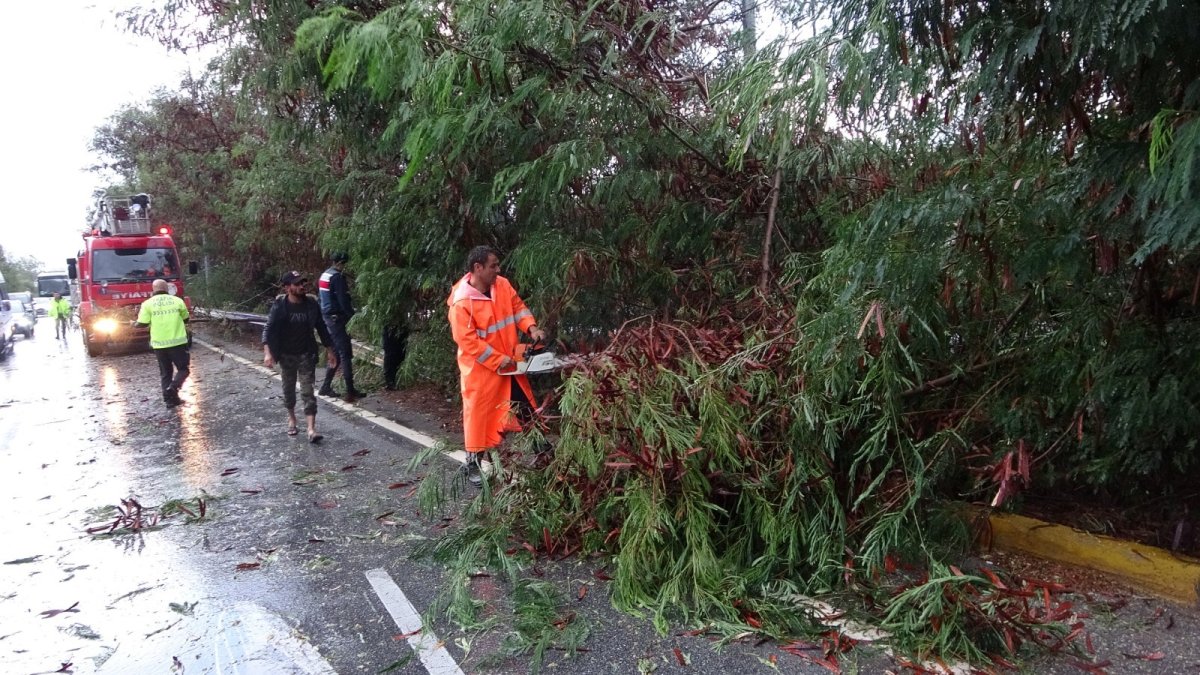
(248, 566)
(405, 636)
(401, 484)
(583, 591)
(349, 467)
(251, 492)
(994, 579)
(326, 504)
(362, 453)
(679, 656)
(565, 621)
(601, 575)
(230, 472)
(1096, 667)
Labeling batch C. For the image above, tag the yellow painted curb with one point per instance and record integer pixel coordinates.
(1175, 577)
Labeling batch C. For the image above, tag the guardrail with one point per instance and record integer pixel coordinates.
(247, 317)
(362, 350)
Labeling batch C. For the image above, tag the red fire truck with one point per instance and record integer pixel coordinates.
(122, 255)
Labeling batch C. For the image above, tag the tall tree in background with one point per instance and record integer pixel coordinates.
(20, 274)
(233, 196)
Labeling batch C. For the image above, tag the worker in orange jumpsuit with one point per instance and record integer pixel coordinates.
(485, 314)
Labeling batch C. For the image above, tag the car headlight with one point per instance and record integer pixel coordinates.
(105, 325)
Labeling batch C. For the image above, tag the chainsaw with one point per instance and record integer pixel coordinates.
(533, 359)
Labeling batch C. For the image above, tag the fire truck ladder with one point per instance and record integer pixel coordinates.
(123, 215)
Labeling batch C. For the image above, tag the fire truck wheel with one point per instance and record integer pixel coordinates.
(92, 348)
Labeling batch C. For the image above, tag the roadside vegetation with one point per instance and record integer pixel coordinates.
(20, 274)
(889, 258)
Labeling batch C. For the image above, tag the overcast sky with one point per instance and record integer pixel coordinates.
(67, 68)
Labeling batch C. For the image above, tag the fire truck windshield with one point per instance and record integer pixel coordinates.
(134, 264)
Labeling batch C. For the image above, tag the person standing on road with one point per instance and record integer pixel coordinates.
(337, 311)
(167, 316)
(288, 340)
(394, 341)
(485, 314)
(60, 312)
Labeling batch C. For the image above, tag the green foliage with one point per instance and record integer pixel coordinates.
(20, 274)
(541, 623)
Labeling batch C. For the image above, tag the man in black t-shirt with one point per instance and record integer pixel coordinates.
(288, 340)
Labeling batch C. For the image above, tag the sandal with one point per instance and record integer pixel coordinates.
(314, 437)
(292, 431)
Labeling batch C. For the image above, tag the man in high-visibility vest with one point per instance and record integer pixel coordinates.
(167, 316)
(60, 313)
(485, 314)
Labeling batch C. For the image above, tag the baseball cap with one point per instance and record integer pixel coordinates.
(292, 278)
(340, 256)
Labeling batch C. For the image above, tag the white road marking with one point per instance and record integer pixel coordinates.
(429, 649)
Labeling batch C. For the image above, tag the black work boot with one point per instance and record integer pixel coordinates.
(327, 386)
(473, 469)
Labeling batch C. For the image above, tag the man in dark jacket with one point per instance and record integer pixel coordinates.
(288, 341)
(337, 310)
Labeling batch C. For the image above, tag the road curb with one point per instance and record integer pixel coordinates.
(1151, 569)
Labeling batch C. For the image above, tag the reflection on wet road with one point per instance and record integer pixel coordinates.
(77, 436)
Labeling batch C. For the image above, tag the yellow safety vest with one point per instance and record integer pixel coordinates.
(165, 314)
(60, 308)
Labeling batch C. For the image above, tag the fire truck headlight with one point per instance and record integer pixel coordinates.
(107, 326)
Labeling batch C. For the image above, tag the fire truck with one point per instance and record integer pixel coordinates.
(123, 253)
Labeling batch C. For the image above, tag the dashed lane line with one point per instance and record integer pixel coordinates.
(429, 649)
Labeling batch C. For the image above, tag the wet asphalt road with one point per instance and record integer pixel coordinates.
(275, 579)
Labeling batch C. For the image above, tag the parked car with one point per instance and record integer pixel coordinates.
(23, 319)
(24, 296)
(6, 319)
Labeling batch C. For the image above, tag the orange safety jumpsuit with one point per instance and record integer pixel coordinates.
(485, 330)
